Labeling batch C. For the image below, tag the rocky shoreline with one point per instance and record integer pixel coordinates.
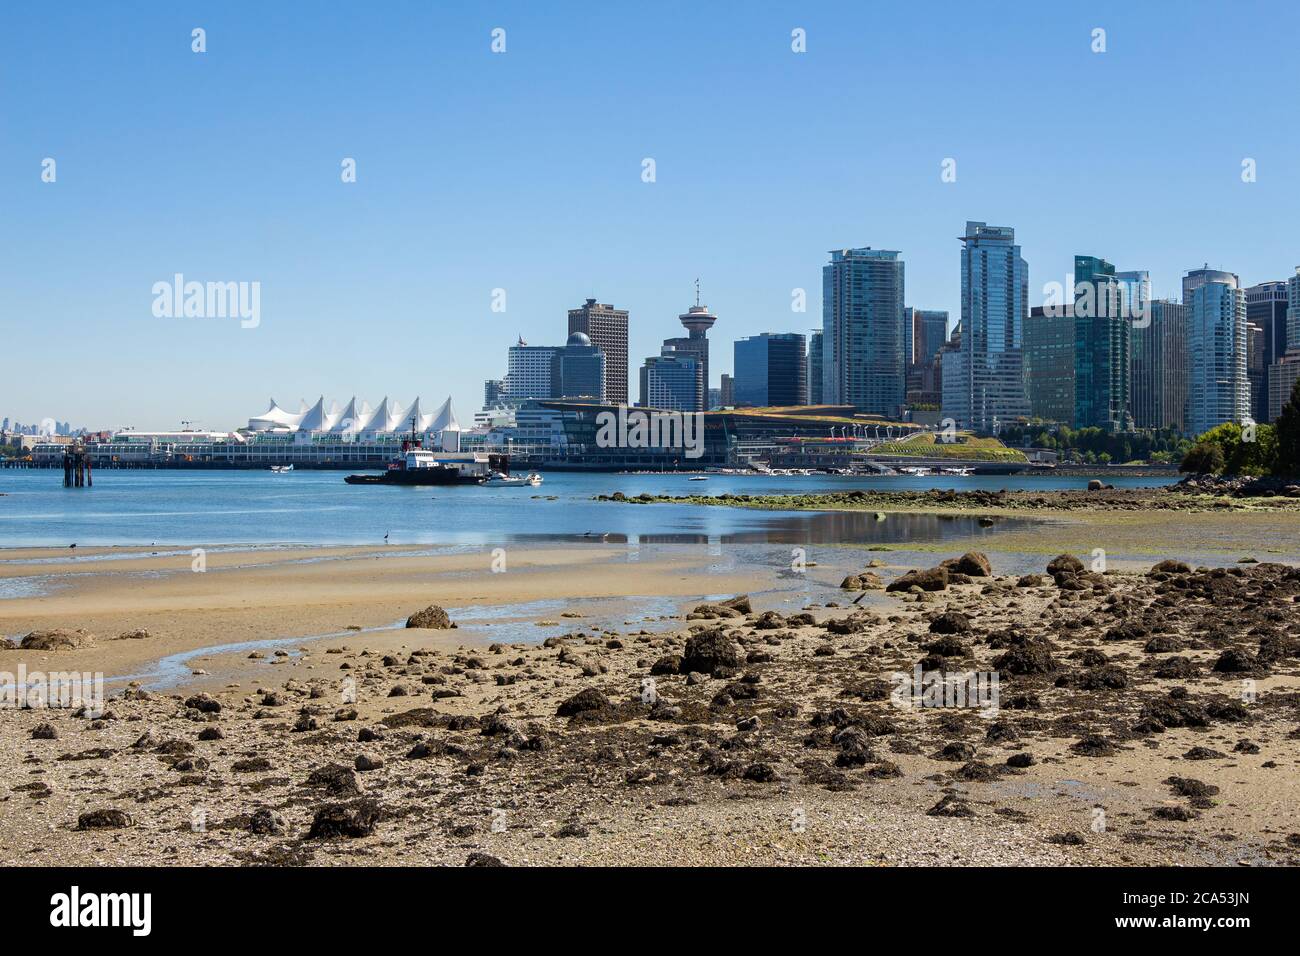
(1139, 719)
(1200, 494)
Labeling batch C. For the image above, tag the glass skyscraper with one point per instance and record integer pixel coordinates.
(863, 359)
(989, 389)
(1218, 387)
(1105, 304)
(770, 369)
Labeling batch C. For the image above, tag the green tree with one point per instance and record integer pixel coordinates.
(1205, 458)
(1287, 430)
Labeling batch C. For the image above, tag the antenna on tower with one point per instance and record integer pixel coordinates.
(697, 290)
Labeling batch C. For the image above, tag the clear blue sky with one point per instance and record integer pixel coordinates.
(523, 171)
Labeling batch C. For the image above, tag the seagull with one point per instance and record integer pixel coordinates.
(386, 534)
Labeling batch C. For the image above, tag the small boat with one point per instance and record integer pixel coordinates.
(500, 478)
(534, 479)
(698, 478)
(281, 469)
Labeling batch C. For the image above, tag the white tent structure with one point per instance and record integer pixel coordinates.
(357, 418)
(276, 418)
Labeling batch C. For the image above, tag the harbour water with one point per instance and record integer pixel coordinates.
(174, 508)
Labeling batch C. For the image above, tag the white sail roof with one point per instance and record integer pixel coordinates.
(352, 418)
(318, 418)
(275, 416)
(357, 417)
(382, 419)
(445, 418)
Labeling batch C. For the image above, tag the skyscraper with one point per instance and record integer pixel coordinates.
(863, 361)
(606, 326)
(986, 389)
(578, 369)
(815, 367)
(771, 369)
(1159, 367)
(1105, 303)
(1283, 373)
(529, 370)
(1266, 307)
(1049, 363)
(672, 380)
(726, 390)
(1218, 387)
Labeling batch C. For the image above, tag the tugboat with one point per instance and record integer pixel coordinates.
(418, 466)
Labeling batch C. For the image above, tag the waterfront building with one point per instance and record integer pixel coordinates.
(1218, 386)
(815, 367)
(863, 360)
(606, 327)
(1159, 367)
(771, 370)
(672, 380)
(577, 370)
(1105, 304)
(1049, 363)
(985, 388)
(530, 371)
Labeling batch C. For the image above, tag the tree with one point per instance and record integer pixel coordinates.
(1287, 429)
(1206, 457)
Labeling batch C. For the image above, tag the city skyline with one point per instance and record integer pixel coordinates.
(468, 182)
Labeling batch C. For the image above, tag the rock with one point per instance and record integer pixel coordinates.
(1093, 745)
(1064, 564)
(1096, 484)
(364, 763)
(58, 639)
(266, 821)
(203, 703)
(974, 563)
(211, 733)
(709, 651)
(1234, 661)
(668, 664)
(932, 579)
(140, 634)
(950, 806)
(44, 732)
(1169, 566)
(251, 765)
(482, 859)
(431, 617)
(760, 773)
(950, 622)
(739, 603)
(572, 829)
(107, 819)
(1028, 657)
(1029, 580)
(1020, 760)
(584, 700)
(335, 779)
(345, 820)
(710, 612)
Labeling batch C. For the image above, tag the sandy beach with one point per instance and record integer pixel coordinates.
(764, 732)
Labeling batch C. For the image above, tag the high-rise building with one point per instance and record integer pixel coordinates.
(529, 370)
(1283, 373)
(863, 331)
(578, 369)
(771, 369)
(715, 398)
(726, 390)
(1256, 372)
(815, 367)
(606, 326)
(1218, 388)
(985, 389)
(492, 390)
(1049, 363)
(1105, 304)
(671, 380)
(1159, 367)
(1266, 307)
(929, 333)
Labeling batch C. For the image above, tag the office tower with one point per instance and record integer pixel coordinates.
(492, 390)
(1266, 307)
(1159, 367)
(578, 369)
(770, 370)
(726, 390)
(863, 362)
(955, 384)
(815, 367)
(1049, 363)
(606, 326)
(1283, 373)
(1218, 388)
(985, 388)
(715, 399)
(1105, 303)
(1256, 372)
(671, 380)
(929, 333)
(529, 372)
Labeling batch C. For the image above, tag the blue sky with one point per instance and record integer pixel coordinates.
(522, 171)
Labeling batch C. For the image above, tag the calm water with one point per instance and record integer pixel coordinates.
(306, 507)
